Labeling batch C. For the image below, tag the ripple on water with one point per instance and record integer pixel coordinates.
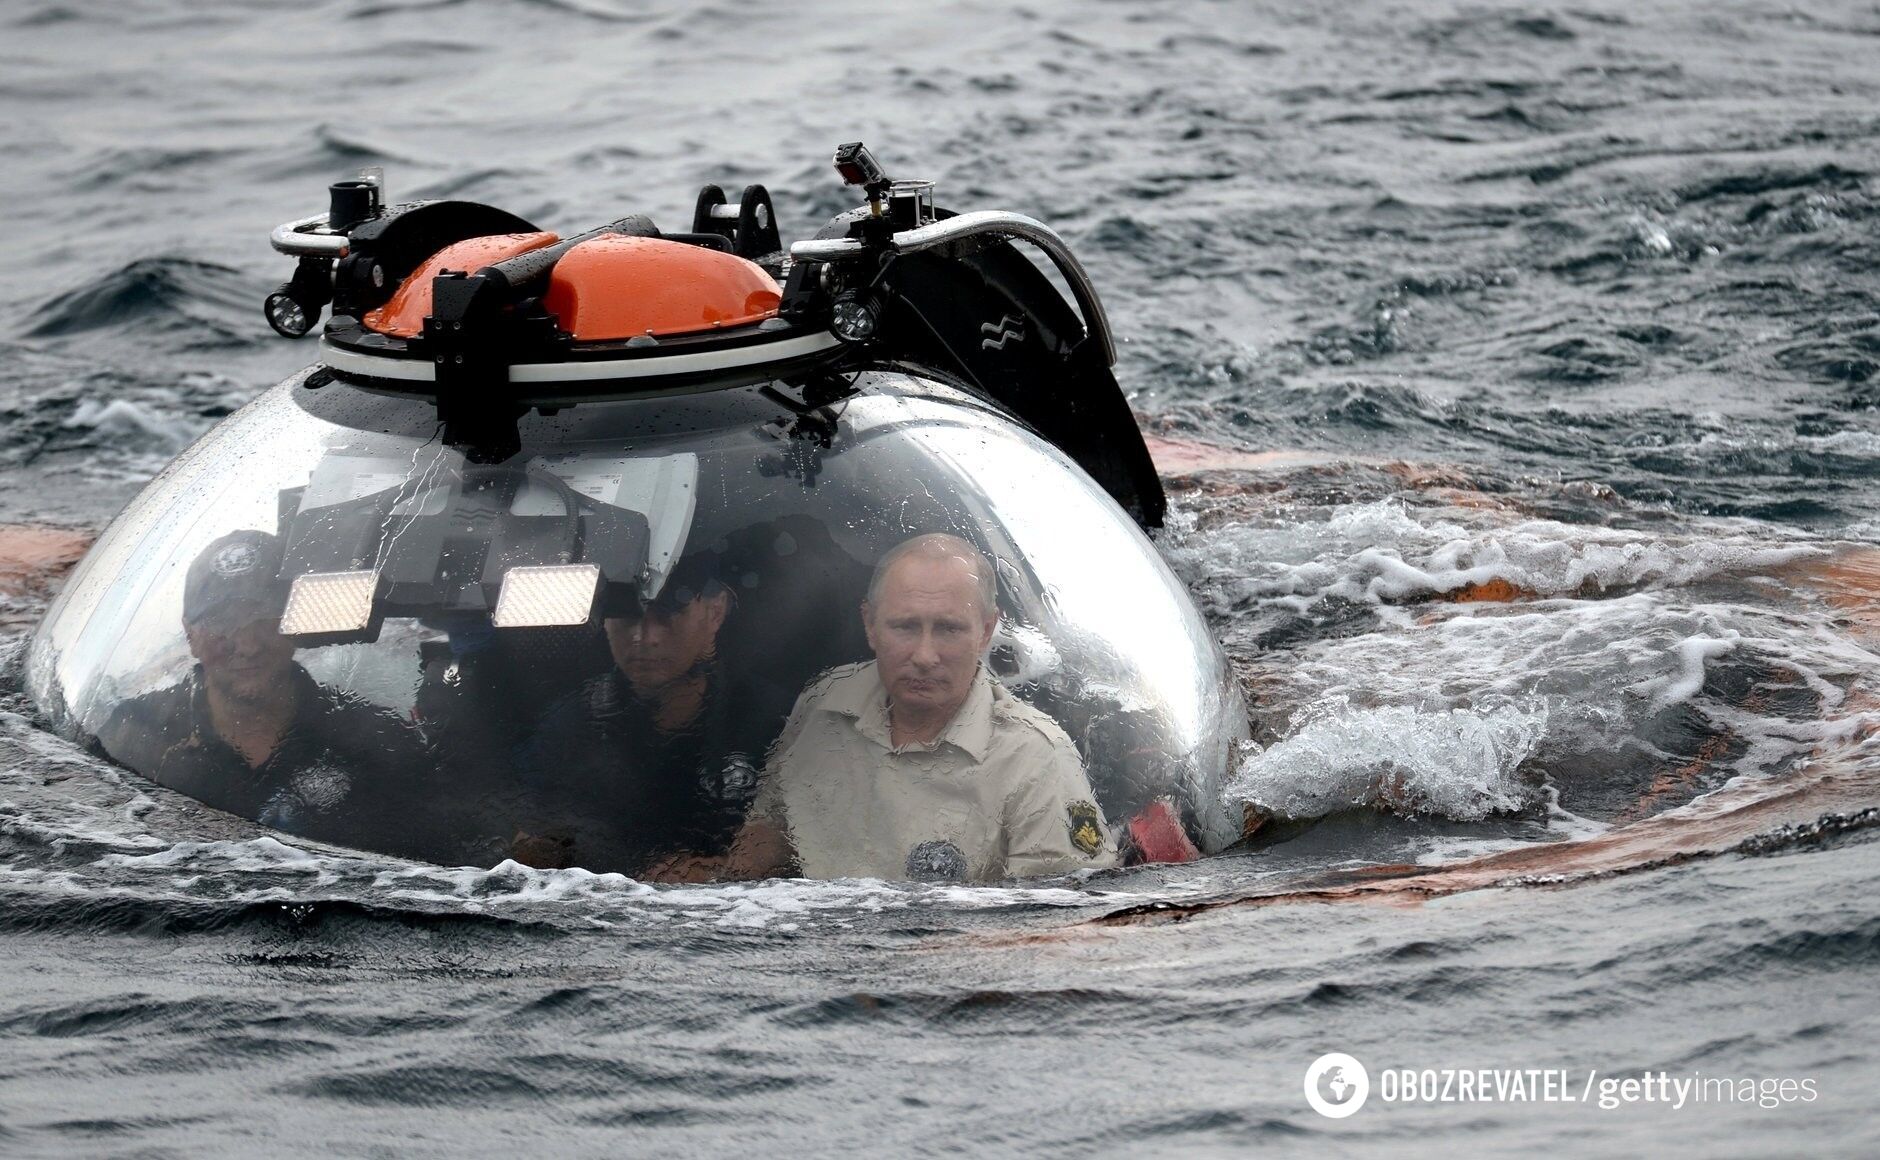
(1605, 281)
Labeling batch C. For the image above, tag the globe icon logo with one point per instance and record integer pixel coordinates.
(1336, 1085)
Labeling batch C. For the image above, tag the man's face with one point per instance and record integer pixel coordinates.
(928, 632)
(664, 645)
(241, 650)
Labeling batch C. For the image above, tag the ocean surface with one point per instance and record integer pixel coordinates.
(1559, 616)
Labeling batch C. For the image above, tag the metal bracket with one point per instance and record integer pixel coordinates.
(994, 223)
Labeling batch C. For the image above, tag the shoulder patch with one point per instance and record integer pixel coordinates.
(1086, 828)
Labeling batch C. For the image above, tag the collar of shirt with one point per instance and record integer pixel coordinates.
(863, 699)
(309, 714)
(613, 705)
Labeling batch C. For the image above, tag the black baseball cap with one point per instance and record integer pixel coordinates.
(696, 575)
(239, 568)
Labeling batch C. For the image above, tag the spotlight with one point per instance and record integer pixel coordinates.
(854, 317)
(294, 308)
(288, 317)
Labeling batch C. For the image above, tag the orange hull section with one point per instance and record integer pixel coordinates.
(403, 316)
(615, 287)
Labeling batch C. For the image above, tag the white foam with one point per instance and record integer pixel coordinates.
(265, 853)
(1458, 763)
(1850, 444)
(1651, 236)
(250, 871)
(1462, 710)
(1385, 553)
(1692, 654)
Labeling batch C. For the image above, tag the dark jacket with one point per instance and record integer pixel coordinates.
(623, 792)
(346, 772)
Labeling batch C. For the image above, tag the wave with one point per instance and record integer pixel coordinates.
(91, 911)
(140, 168)
(198, 304)
(1827, 802)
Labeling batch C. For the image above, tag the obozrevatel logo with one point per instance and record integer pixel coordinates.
(1336, 1085)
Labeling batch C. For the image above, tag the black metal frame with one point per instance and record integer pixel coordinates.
(975, 311)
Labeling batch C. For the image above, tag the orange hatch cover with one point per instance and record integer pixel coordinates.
(615, 287)
(403, 316)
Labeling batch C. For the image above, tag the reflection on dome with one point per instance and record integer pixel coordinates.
(725, 563)
(674, 554)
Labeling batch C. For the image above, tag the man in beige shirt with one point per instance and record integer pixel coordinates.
(919, 764)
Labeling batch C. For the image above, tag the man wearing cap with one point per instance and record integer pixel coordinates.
(660, 753)
(250, 732)
(919, 764)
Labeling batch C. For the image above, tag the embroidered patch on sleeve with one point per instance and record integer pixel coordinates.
(1086, 828)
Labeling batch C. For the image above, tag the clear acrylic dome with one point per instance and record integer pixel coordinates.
(323, 618)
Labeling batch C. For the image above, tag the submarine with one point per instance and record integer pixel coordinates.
(558, 536)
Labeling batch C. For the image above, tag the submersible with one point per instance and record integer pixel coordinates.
(548, 499)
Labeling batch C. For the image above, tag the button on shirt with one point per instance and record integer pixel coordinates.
(1000, 794)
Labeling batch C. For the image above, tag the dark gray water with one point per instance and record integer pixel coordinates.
(1581, 301)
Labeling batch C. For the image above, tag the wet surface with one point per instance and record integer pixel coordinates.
(1515, 374)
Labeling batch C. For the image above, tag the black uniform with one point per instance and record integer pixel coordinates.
(346, 771)
(623, 793)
